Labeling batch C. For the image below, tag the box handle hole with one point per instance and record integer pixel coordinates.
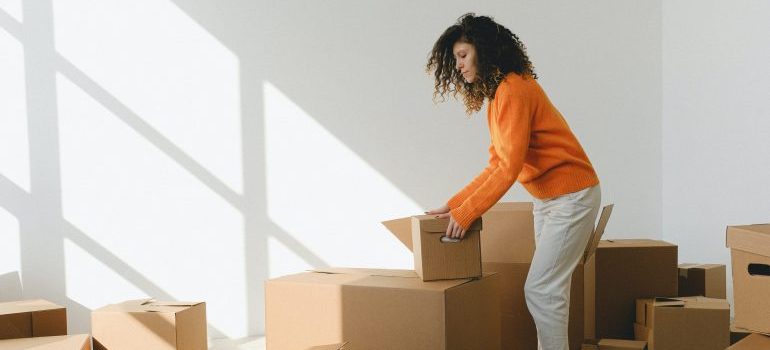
(445, 239)
(759, 269)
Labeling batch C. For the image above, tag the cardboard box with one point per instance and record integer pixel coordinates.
(32, 318)
(686, 323)
(752, 342)
(381, 309)
(620, 272)
(614, 344)
(435, 259)
(61, 342)
(708, 280)
(507, 247)
(736, 334)
(149, 324)
(750, 250)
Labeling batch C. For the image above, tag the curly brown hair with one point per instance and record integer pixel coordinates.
(498, 51)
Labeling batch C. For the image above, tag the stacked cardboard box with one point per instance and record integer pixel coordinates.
(381, 309)
(706, 280)
(149, 324)
(619, 273)
(32, 318)
(750, 250)
(686, 323)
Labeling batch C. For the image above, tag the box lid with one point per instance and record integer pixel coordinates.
(21, 306)
(429, 223)
(148, 305)
(63, 342)
(380, 278)
(596, 235)
(750, 238)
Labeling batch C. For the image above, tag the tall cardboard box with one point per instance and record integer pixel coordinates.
(61, 342)
(687, 323)
(750, 250)
(507, 247)
(436, 259)
(32, 318)
(620, 272)
(381, 309)
(150, 324)
(752, 342)
(708, 280)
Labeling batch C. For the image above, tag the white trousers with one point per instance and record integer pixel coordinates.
(563, 226)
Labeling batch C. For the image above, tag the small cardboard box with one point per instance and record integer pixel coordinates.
(686, 323)
(435, 259)
(149, 324)
(752, 342)
(750, 250)
(614, 344)
(620, 272)
(381, 309)
(61, 342)
(32, 318)
(708, 280)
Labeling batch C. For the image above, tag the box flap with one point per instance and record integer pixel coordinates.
(750, 238)
(752, 342)
(337, 346)
(596, 235)
(367, 272)
(148, 305)
(21, 306)
(622, 344)
(402, 229)
(668, 302)
(429, 223)
(633, 243)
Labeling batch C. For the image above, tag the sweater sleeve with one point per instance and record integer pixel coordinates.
(510, 129)
(461, 196)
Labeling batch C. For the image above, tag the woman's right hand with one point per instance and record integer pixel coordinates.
(441, 210)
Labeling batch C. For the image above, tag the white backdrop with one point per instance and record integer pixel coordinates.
(191, 149)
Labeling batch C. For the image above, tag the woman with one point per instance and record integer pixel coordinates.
(530, 142)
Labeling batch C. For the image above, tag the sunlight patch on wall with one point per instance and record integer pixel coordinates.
(165, 67)
(151, 213)
(14, 141)
(324, 195)
(13, 9)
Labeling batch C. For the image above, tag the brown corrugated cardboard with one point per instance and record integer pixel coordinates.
(620, 272)
(507, 247)
(435, 259)
(381, 309)
(335, 346)
(614, 344)
(752, 342)
(149, 324)
(686, 323)
(61, 342)
(32, 318)
(736, 334)
(750, 250)
(708, 280)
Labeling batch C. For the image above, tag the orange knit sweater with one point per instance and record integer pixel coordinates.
(531, 143)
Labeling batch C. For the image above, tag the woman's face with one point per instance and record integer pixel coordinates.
(465, 60)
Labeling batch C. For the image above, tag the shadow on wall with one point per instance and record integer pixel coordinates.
(315, 71)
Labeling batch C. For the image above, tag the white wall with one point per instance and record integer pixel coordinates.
(191, 149)
(716, 117)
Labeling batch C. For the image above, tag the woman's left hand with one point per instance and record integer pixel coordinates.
(453, 230)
